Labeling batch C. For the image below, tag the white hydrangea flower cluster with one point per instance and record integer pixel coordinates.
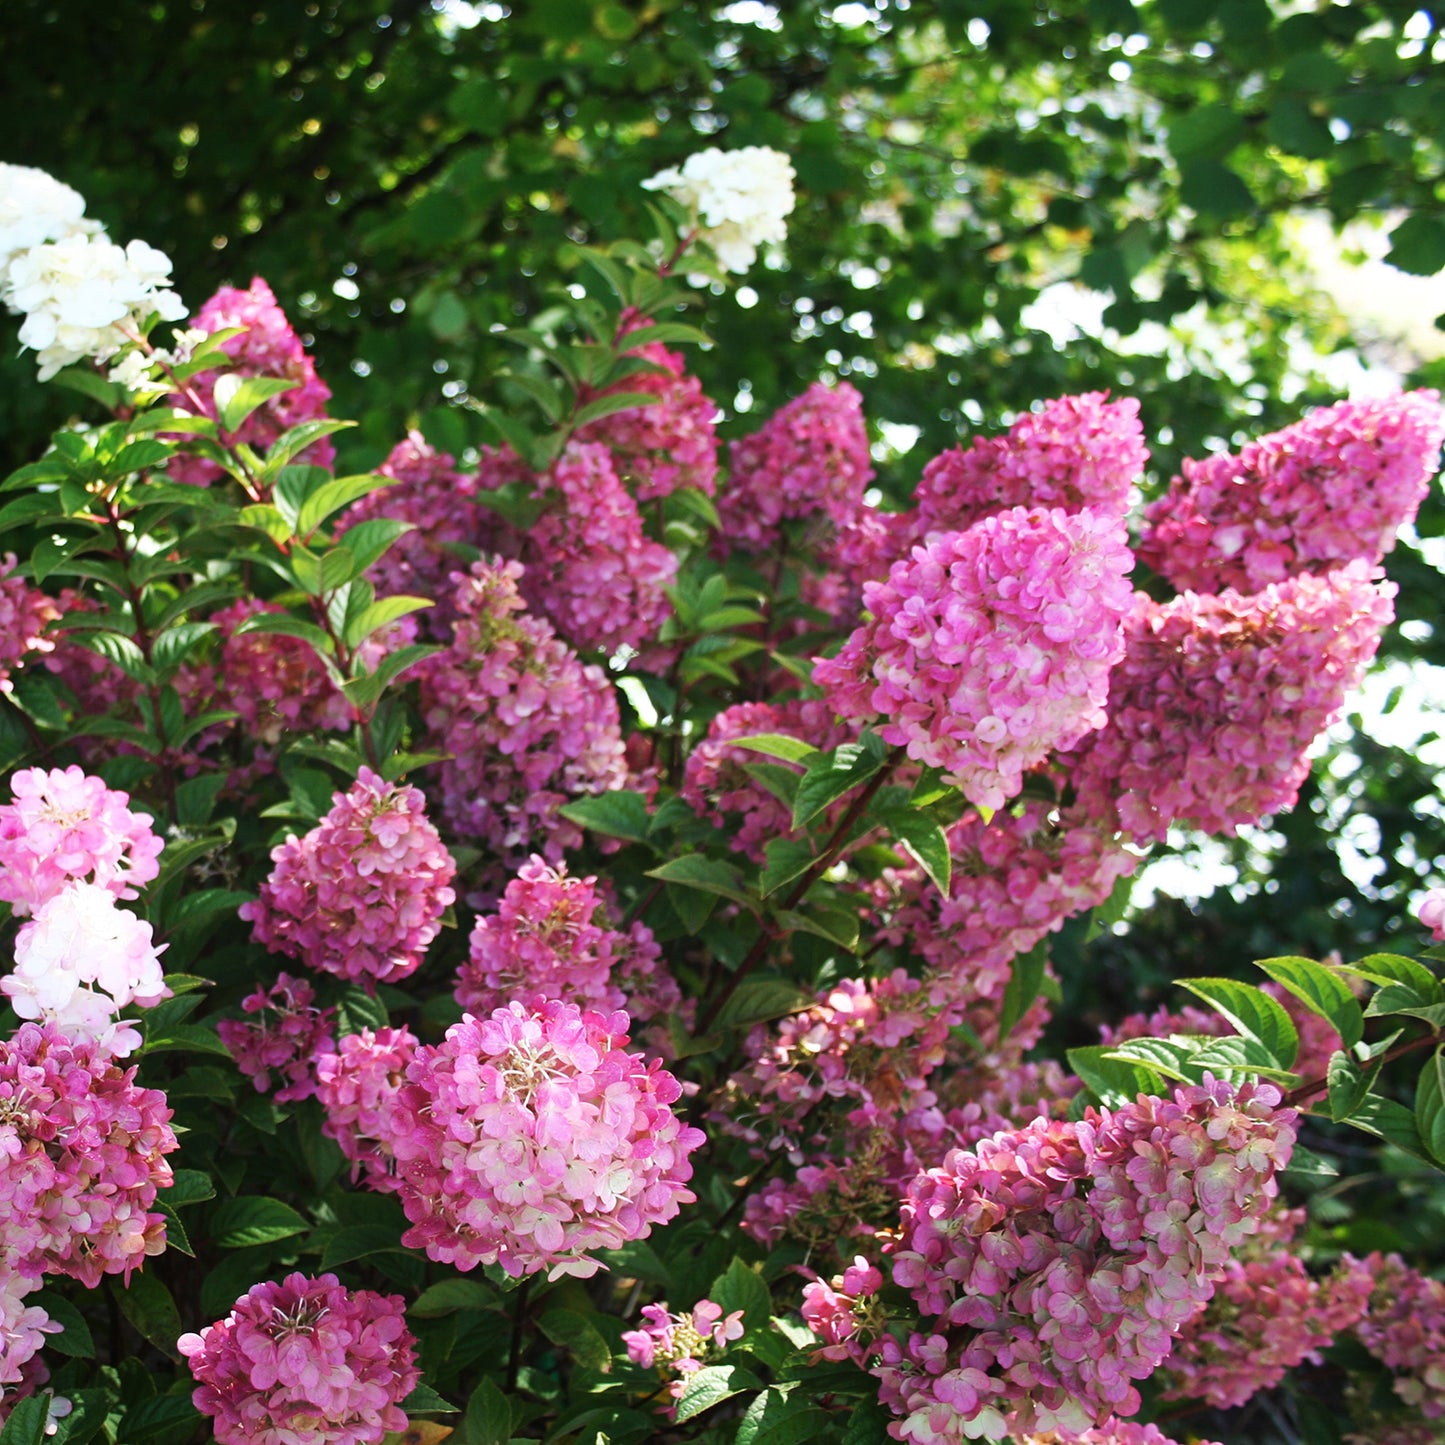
(79, 292)
(739, 197)
(79, 961)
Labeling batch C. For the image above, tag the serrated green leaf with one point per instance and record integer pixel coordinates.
(1026, 977)
(379, 614)
(368, 541)
(926, 843)
(742, 1288)
(236, 397)
(618, 814)
(254, 1219)
(711, 875)
(27, 1420)
(787, 859)
(488, 1420)
(1393, 968)
(1392, 1122)
(1253, 1013)
(710, 1386)
(75, 1338)
(1113, 1081)
(1167, 1057)
(425, 1401)
(575, 1332)
(334, 494)
(360, 1242)
(1321, 990)
(448, 1296)
(1430, 1106)
(151, 1308)
(830, 776)
(759, 999)
(776, 745)
(188, 1186)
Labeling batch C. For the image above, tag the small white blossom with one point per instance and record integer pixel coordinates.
(79, 961)
(35, 209)
(740, 199)
(77, 293)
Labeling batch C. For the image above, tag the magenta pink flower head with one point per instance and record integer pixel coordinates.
(551, 939)
(1332, 488)
(532, 1137)
(1074, 453)
(363, 893)
(64, 826)
(267, 347)
(1217, 700)
(305, 1362)
(358, 1086)
(1054, 1264)
(25, 613)
(528, 727)
(284, 1044)
(809, 460)
(82, 1154)
(989, 648)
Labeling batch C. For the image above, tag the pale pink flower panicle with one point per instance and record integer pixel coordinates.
(25, 613)
(363, 893)
(65, 825)
(1217, 699)
(551, 938)
(82, 1154)
(531, 1137)
(810, 460)
(1075, 452)
(82, 959)
(1404, 1328)
(305, 1362)
(1324, 492)
(989, 648)
(23, 1329)
(1431, 914)
(284, 1044)
(358, 1085)
(268, 346)
(681, 1344)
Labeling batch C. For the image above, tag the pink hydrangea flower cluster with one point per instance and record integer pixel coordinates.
(552, 938)
(1332, 488)
(64, 826)
(1075, 452)
(668, 444)
(810, 460)
(268, 347)
(23, 1329)
(681, 1344)
(82, 1154)
(440, 504)
(840, 1313)
(1404, 1328)
(1267, 1316)
(532, 1137)
(1016, 879)
(363, 893)
(717, 787)
(1218, 698)
(358, 1086)
(589, 567)
(527, 726)
(989, 648)
(1431, 914)
(284, 1045)
(81, 960)
(25, 613)
(1053, 1264)
(305, 1362)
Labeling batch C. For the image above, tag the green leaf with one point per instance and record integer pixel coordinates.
(832, 775)
(1167, 1057)
(254, 1219)
(334, 494)
(236, 397)
(618, 814)
(787, 859)
(1111, 1080)
(188, 1186)
(613, 402)
(1207, 130)
(711, 875)
(837, 925)
(425, 1401)
(758, 999)
(368, 541)
(488, 1420)
(27, 1421)
(189, 1038)
(776, 745)
(285, 625)
(1253, 1013)
(360, 1242)
(926, 843)
(742, 1288)
(359, 1010)
(1392, 1122)
(160, 1420)
(1214, 190)
(575, 1332)
(1321, 990)
(381, 613)
(1417, 245)
(150, 1307)
(1388, 968)
(1026, 977)
(448, 1296)
(290, 444)
(710, 1386)
(1430, 1106)
(89, 382)
(75, 1338)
